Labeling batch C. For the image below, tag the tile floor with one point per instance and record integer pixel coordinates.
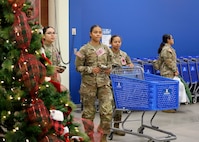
(184, 124)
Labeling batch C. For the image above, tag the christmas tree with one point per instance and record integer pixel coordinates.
(32, 106)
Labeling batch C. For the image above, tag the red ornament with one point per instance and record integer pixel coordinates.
(36, 22)
(14, 7)
(17, 30)
(18, 2)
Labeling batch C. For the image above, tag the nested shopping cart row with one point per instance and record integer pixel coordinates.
(188, 69)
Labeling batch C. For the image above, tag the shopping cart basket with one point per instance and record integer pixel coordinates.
(189, 72)
(135, 90)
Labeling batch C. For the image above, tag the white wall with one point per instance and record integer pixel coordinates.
(59, 18)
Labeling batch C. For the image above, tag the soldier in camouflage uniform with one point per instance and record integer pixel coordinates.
(50, 51)
(94, 62)
(48, 45)
(167, 64)
(120, 59)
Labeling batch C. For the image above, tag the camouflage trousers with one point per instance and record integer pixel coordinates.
(117, 116)
(89, 94)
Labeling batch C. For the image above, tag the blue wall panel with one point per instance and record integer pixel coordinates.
(141, 23)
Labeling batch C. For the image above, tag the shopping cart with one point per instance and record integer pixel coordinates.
(146, 63)
(135, 90)
(193, 69)
(189, 72)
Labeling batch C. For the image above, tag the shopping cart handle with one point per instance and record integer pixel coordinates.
(116, 66)
(193, 59)
(185, 59)
(140, 61)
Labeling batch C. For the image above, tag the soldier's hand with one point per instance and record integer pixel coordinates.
(176, 73)
(107, 71)
(96, 70)
(130, 65)
(60, 69)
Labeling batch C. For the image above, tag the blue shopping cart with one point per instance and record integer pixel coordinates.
(147, 65)
(189, 72)
(135, 90)
(194, 74)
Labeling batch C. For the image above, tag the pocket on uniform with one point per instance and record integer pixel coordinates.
(87, 90)
(83, 89)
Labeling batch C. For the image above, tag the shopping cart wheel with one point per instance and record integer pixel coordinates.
(186, 103)
(110, 137)
(194, 100)
(140, 130)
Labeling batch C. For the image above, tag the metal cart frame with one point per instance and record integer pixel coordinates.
(137, 75)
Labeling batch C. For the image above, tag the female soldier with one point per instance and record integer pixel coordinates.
(50, 51)
(120, 59)
(94, 62)
(167, 64)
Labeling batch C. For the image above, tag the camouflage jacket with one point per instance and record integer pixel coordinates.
(121, 59)
(167, 62)
(52, 52)
(89, 57)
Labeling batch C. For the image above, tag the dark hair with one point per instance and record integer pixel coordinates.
(165, 38)
(46, 28)
(112, 38)
(92, 27)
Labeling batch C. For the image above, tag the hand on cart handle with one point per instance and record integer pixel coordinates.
(130, 65)
(176, 73)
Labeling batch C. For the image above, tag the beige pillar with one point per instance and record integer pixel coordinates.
(59, 19)
(51, 12)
